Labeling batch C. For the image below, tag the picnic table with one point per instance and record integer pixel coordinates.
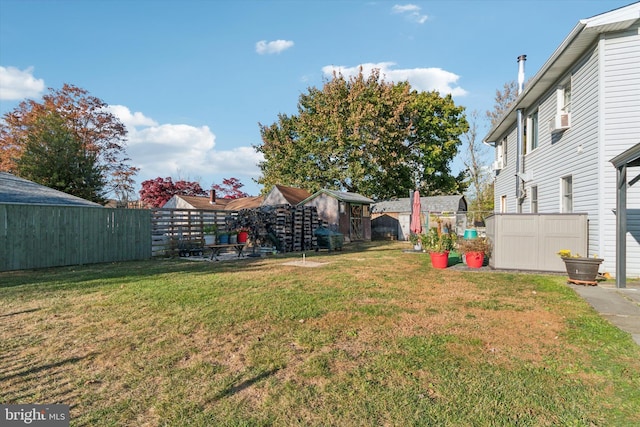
(216, 249)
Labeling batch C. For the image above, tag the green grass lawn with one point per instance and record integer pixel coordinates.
(374, 336)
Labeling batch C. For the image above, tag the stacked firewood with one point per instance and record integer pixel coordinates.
(288, 228)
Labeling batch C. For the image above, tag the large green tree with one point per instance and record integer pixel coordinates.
(101, 135)
(365, 135)
(53, 156)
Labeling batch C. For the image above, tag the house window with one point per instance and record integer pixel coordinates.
(533, 130)
(502, 152)
(534, 199)
(503, 204)
(567, 194)
(564, 97)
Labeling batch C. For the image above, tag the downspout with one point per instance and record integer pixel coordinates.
(520, 134)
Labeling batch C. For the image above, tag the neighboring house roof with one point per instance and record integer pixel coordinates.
(293, 195)
(454, 203)
(280, 195)
(340, 195)
(204, 202)
(244, 203)
(18, 190)
(585, 33)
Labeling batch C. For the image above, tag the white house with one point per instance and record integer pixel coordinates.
(555, 144)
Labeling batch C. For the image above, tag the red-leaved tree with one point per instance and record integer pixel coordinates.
(230, 189)
(156, 192)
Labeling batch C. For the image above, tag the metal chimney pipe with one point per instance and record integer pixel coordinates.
(520, 133)
(521, 60)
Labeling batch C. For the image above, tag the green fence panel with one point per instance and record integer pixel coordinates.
(38, 236)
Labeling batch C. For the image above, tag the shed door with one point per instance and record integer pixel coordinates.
(356, 222)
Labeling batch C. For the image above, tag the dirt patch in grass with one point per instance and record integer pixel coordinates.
(307, 264)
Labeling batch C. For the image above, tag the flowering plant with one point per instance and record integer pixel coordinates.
(566, 253)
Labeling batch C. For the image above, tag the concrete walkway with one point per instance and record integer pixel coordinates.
(620, 306)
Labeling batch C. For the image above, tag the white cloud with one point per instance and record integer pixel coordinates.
(16, 84)
(173, 150)
(411, 12)
(130, 120)
(264, 47)
(421, 79)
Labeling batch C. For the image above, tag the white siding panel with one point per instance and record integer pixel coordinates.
(505, 183)
(621, 130)
(573, 152)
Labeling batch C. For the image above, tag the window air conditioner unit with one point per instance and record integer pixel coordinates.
(498, 165)
(560, 123)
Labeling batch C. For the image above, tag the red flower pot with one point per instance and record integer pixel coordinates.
(243, 236)
(439, 259)
(475, 259)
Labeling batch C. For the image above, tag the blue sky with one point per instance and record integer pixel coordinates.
(192, 79)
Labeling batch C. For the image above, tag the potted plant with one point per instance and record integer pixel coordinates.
(233, 237)
(223, 238)
(581, 270)
(475, 251)
(438, 245)
(416, 241)
(210, 231)
(243, 235)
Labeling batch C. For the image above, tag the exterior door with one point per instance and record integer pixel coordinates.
(356, 222)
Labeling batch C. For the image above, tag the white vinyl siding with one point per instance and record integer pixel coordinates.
(505, 178)
(534, 199)
(620, 130)
(605, 121)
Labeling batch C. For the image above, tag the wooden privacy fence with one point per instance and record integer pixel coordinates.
(37, 236)
(289, 228)
(172, 229)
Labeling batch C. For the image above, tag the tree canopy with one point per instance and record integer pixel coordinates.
(156, 192)
(367, 136)
(81, 120)
(53, 156)
(476, 160)
(230, 188)
(503, 100)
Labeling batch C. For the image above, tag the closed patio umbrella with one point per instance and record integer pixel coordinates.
(416, 223)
